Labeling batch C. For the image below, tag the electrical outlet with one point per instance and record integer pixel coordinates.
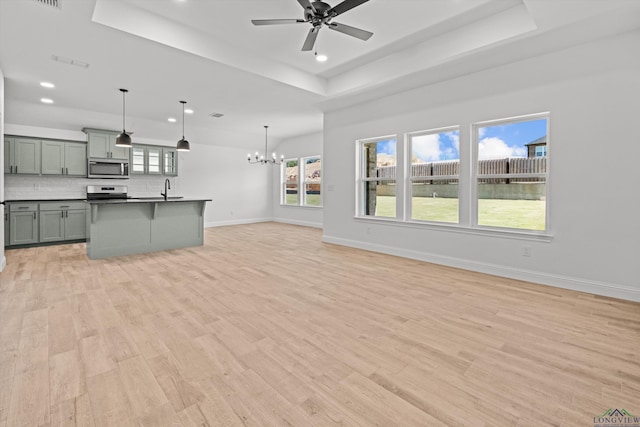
(526, 251)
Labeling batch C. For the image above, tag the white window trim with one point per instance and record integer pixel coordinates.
(474, 174)
(301, 182)
(408, 217)
(361, 179)
(467, 179)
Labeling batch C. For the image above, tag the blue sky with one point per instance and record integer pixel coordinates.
(498, 141)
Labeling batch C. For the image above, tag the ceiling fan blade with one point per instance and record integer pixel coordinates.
(276, 21)
(311, 39)
(306, 4)
(351, 31)
(344, 6)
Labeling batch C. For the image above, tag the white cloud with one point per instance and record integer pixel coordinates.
(427, 147)
(495, 148)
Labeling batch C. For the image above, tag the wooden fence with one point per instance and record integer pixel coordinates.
(511, 166)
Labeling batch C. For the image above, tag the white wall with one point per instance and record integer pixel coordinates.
(3, 260)
(241, 192)
(301, 146)
(591, 92)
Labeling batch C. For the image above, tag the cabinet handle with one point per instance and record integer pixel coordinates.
(66, 214)
(11, 169)
(61, 214)
(16, 168)
(62, 172)
(67, 169)
(34, 216)
(23, 207)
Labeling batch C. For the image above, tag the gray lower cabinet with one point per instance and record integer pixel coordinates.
(23, 223)
(6, 225)
(62, 221)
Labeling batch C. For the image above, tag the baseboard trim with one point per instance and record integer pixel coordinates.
(565, 282)
(236, 222)
(297, 222)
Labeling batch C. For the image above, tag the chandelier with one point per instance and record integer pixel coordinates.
(263, 159)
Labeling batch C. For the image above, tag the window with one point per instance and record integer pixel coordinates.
(304, 173)
(434, 171)
(511, 188)
(291, 182)
(377, 178)
(312, 181)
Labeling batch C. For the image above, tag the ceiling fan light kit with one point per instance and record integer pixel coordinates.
(319, 13)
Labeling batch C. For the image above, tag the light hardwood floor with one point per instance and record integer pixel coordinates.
(266, 325)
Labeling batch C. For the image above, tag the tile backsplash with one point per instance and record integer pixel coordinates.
(57, 187)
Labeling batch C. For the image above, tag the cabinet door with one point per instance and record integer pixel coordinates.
(23, 228)
(75, 159)
(138, 160)
(75, 224)
(170, 161)
(52, 157)
(26, 156)
(98, 145)
(117, 152)
(6, 225)
(51, 226)
(8, 145)
(154, 161)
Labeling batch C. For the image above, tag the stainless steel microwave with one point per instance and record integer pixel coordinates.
(108, 168)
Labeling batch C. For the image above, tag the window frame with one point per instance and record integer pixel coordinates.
(361, 177)
(474, 140)
(410, 179)
(301, 182)
(467, 183)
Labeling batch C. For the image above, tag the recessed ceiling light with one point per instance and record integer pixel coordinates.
(188, 111)
(171, 119)
(47, 85)
(321, 58)
(46, 100)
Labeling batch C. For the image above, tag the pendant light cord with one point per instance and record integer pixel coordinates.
(265, 142)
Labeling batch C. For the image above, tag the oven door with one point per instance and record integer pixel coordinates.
(108, 168)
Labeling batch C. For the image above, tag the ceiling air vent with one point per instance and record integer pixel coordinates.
(52, 3)
(216, 115)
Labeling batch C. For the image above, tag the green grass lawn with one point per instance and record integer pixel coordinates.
(312, 199)
(522, 214)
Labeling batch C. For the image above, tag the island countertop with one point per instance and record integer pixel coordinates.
(147, 200)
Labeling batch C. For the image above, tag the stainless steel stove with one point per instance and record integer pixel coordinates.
(107, 192)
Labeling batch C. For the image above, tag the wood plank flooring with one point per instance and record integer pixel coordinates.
(265, 325)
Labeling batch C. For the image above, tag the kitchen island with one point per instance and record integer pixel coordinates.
(135, 226)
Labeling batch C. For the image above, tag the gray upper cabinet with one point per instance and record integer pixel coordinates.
(102, 144)
(64, 158)
(22, 156)
(154, 160)
(170, 161)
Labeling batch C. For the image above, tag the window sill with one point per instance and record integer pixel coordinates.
(457, 228)
(301, 206)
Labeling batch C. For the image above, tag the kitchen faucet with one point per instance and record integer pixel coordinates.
(167, 186)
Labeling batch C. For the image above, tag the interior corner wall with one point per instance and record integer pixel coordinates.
(591, 92)
(300, 146)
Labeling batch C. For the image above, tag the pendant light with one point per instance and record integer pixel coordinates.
(183, 144)
(123, 140)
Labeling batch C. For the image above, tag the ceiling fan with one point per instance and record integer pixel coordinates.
(318, 13)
